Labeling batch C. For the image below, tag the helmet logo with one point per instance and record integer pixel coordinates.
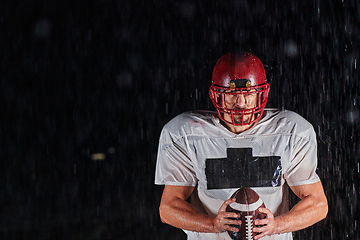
(240, 83)
(248, 84)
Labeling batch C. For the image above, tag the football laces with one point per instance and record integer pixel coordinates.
(248, 227)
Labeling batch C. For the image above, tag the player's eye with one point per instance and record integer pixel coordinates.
(249, 91)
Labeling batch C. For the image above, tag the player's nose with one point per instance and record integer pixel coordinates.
(240, 101)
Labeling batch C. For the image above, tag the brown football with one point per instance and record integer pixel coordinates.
(247, 204)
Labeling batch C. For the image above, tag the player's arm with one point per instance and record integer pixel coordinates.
(311, 209)
(176, 211)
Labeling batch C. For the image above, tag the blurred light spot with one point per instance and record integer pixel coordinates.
(187, 10)
(352, 116)
(98, 156)
(124, 79)
(135, 61)
(111, 150)
(291, 49)
(42, 28)
(215, 38)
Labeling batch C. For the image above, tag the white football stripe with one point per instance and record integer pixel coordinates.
(246, 207)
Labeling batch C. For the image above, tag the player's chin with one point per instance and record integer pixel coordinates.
(237, 120)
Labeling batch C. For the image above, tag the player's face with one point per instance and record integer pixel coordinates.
(237, 101)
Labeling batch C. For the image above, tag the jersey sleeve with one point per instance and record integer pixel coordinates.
(303, 161)
(174, 166)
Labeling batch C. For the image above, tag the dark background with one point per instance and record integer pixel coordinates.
(79, 78)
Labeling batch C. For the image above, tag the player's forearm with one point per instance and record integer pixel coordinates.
(183, 215)
(305, 213)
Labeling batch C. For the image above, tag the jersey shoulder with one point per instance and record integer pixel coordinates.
(287, 122)
(191, 123)
(294, 118)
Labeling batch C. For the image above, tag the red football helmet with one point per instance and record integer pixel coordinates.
(236, 75)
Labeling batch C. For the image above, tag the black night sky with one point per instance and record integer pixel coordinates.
(86, 86)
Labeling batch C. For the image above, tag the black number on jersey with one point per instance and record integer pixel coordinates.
(240, 168)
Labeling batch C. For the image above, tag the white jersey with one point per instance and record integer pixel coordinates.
(195, 149)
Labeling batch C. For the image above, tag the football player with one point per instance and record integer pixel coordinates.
(205, 156)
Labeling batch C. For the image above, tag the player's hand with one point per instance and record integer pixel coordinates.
(223, 220)
(269, 224)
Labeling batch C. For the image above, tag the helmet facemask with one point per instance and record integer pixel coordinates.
(221, 96)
